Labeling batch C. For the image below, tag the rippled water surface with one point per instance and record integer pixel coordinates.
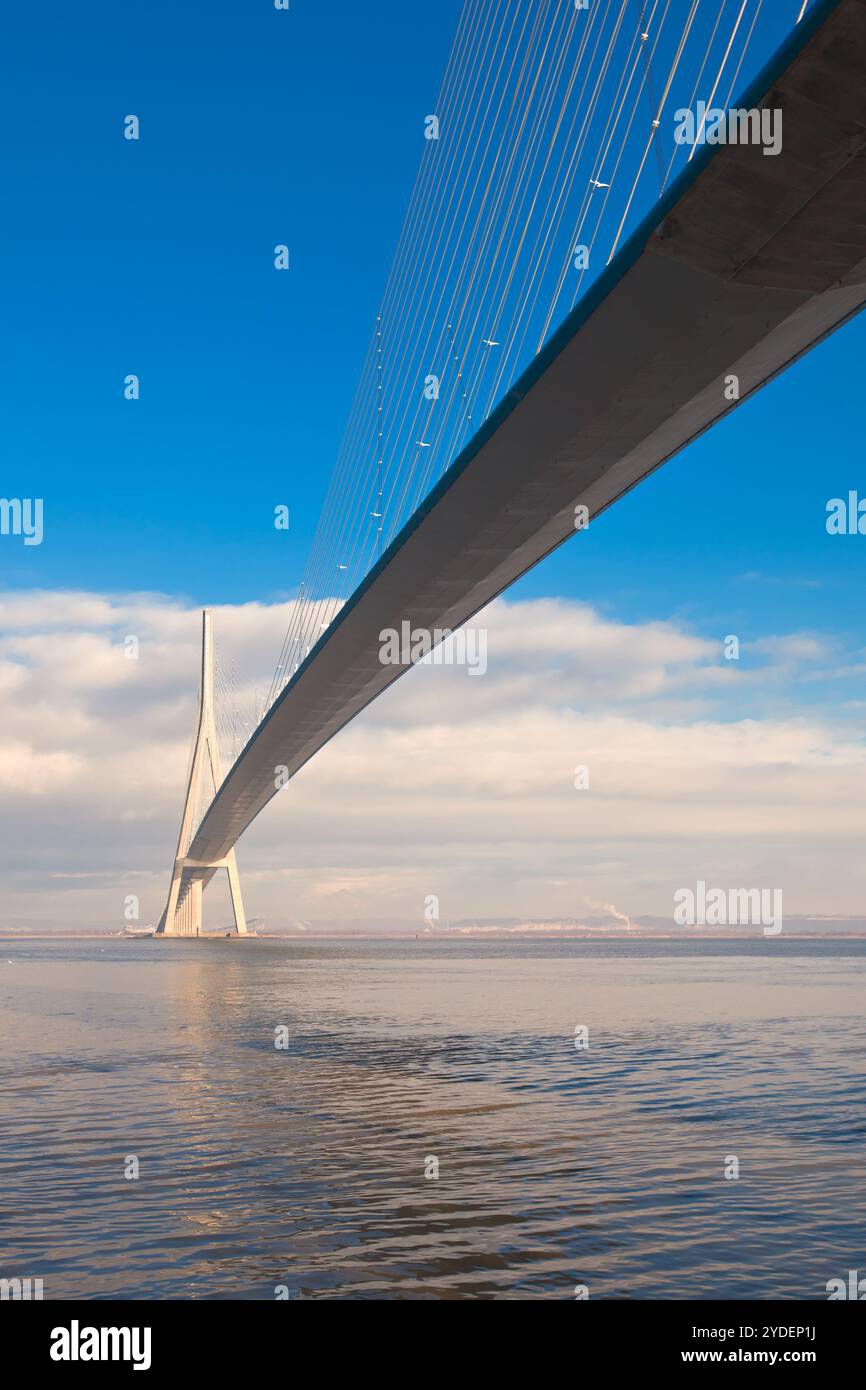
(305, 1167)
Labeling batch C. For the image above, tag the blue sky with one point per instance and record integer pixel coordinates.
(156, 258)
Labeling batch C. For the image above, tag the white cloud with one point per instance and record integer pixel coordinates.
(451, 785)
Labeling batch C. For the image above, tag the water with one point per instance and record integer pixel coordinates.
(305, 1168)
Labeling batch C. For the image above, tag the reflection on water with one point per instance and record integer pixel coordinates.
(306, 1167)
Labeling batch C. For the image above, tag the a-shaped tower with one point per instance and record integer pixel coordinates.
(183, 911)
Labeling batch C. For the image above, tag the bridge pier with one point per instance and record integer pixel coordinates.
(183, 911)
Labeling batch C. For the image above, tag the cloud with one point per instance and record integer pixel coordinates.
(779, 581)
(797, 648)
(458, 786)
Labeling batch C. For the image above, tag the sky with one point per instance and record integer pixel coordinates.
(155, 257)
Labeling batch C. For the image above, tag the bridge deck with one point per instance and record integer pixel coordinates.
(749, 261)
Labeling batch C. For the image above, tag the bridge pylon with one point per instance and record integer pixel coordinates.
(183, 911)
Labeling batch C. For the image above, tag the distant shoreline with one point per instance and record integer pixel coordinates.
(481, 936)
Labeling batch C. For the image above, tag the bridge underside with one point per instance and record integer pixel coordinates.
(749, 262)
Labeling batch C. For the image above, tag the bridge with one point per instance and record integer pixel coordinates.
(746, 262)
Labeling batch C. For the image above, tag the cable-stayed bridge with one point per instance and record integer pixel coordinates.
(753, 251)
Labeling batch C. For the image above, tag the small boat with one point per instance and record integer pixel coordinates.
(138, 933)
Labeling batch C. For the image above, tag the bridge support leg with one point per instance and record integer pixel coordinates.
(183, 910)
(235, 891)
